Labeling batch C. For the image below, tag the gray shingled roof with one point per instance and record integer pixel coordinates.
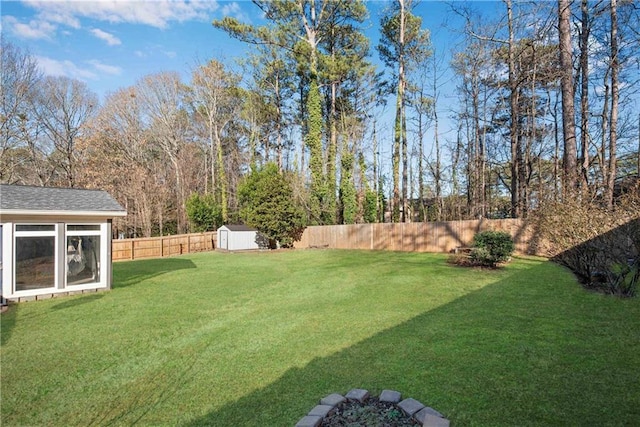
(240, 227)
(22, 198)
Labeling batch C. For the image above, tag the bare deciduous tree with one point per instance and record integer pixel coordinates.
(20, 77)
(163, 102)
(63, 108)
(215, 99)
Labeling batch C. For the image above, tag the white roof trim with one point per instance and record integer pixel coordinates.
(61, 213)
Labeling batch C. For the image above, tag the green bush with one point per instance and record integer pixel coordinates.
(203, 212)
(267, 202)
(491, 248)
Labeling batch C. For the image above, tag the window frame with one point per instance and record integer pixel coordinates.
(100, 232)
(56, 255)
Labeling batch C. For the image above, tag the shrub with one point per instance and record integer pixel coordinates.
(491, 248)
(203, 212)
(601, 246)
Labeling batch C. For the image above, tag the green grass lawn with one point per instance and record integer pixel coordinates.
(257, 339)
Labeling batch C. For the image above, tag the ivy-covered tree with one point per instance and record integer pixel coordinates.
(313, 141)
(267, 203)
(345, 63)
(321, 42)
(348, 199)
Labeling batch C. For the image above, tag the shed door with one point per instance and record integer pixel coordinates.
(224, 239)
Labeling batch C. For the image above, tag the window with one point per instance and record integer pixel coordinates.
(52, 257)
(83, 227)
(35, 227)
(83, 254)
(35, 257)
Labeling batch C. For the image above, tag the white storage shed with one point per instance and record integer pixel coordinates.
(54, 241)
(240, 238)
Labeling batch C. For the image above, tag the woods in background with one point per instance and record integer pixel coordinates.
(546, 110)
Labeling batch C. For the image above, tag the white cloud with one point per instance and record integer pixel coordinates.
(170, 54)
(107, 37)
(140, 54)
(60, 18)
(53, 67)
(235, 10)
(155, 13)
(35, 29)
(105, 68)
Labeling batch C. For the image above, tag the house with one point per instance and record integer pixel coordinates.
(54, 241)
(240, 238)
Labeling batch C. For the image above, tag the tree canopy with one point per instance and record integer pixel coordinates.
(317, 128)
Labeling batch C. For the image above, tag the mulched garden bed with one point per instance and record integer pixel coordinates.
(370, 413)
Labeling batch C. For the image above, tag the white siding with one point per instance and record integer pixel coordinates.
(234, 240)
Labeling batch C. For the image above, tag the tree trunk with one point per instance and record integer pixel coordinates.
(421, 199)
(212, 150)
(602, 156)
(437, 175)
(474, 160)
(615, 95)
(584, 95)
(513, 107)
(331, 158)
(398, 139)
(454, 173)
(395, 161)
(568, 109)
(222, 179)
(556, 150)
(375, 173)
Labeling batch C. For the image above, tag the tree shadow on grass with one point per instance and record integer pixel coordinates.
(128, 273)
(506, 354)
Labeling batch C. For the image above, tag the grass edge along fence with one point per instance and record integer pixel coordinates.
(441, 237)
(158, 247)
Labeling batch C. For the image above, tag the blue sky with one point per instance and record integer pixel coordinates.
(110, 45)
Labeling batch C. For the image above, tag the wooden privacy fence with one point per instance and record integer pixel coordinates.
(156, 247)
(416, 237)
(442, 236)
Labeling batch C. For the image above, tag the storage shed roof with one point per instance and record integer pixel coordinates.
(22, 199)
(239, 227)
